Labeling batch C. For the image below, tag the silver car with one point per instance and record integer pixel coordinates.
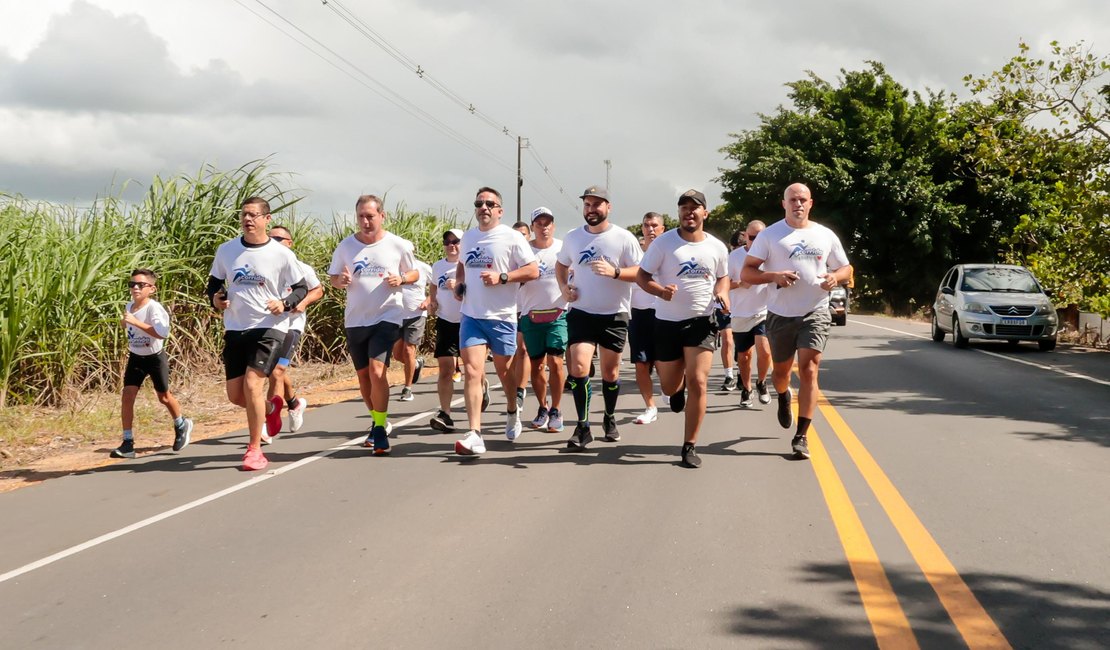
(993, 301)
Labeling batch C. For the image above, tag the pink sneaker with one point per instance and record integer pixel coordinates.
(254, 460)
(273, 418)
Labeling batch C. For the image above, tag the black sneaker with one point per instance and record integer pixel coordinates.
(800, 446)
(416, 371)
(580, 438)
(729, 385)
(485, 395)
(182, 434)
(609, 426)
(761, 389)
(745, 398)
(125, 450)
(786, 416)
(678, 401)
(690, 457)
(442, 422)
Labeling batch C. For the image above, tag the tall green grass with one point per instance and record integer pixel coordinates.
(64, 272)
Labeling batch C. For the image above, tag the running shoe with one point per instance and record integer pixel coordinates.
(265, 437)
(520, 393)
(542, 416)
(746, 398)
(800, 446)
(690, 457)
(442, 421)
(181, 434)
(406, 395)
(666, 399)
(513, 426)
(580, 438)
(471, 445)
(389, 429)
(273, 418)
(554, 421)
(609, 426)
(650, 414)
(786, 416)
(253, 460)
(485, 395)
(678, 401)
(417, 370)
(456, 376)
(761, 389)
(729, 385)
(379, 440)
(296, 414)
(125, 450)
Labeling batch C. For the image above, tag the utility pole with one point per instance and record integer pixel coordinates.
(520, 144)
(608, 166)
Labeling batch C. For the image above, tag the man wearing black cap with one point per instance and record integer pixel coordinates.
(687, 269)
(595, 268)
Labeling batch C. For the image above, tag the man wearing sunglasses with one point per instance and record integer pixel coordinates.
(371, 266)
(446, 309)
(494, 260)
(749, 311)
(247, 281)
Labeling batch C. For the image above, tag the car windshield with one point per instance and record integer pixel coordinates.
(1000, 279)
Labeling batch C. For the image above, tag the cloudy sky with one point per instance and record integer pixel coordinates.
(97, 92)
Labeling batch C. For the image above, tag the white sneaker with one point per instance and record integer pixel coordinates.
(388, 429)
(649, 415)
(471, 445)
(296, 414)
(513, 427)
(266, 438)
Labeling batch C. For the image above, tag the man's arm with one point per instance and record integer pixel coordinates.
(752, 274)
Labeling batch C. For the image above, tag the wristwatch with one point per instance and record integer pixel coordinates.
(504, 278)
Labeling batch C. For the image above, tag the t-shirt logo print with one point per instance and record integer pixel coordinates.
(441, 281)
(477, 258)
(366, 267)
(691, 268)
(244, 275)
(801, 249)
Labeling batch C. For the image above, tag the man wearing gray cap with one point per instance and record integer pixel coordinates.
(595, 270)
(687, 269)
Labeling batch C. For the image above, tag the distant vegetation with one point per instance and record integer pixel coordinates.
(64, 273)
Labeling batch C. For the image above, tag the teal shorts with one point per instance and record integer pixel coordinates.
(544, 338)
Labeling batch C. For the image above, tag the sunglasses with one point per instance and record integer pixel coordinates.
(280, 238)
(489, 204)
(138, 285)
(450, 242)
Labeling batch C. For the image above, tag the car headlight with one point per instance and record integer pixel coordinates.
(976, 308)
(1046, 308)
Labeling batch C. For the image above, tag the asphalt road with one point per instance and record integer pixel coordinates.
(955, 498)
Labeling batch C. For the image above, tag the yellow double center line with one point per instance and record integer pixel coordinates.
(888, 620)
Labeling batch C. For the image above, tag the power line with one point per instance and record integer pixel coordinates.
(381, 90)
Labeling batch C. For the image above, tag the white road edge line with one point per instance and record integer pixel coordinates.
(1066, 373)
(253, 481)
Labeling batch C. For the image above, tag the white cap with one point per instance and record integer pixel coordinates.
(454, 231)
(541, 211)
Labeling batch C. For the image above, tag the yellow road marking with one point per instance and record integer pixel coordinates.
(973, 622)
(888, 620)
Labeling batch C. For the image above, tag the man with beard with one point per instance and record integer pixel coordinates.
(595, 268)
(687, 269)
(805, 261)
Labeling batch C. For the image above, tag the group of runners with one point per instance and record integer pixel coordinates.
(540, 307)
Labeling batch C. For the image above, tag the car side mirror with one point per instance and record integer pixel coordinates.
(947, 291)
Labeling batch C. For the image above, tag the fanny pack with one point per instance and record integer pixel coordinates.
(541, 316)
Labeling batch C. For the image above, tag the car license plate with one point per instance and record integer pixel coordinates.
(1014, 321)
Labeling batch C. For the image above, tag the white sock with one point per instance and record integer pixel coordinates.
(728, 373)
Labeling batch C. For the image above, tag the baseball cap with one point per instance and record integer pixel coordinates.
(541, 211)
(454, 231)
(599, 192)
(695, 195)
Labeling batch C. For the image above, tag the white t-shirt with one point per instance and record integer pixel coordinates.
(543, 292)
(253, 276)
(298, 320)
(749, 302)
(812, 252)
(449, 308)
(152, 313)
(369, 299)
(598, 294)
(414, 294)
(693, 267)
(500, 250)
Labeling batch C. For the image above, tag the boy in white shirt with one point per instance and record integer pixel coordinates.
(147, 324)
